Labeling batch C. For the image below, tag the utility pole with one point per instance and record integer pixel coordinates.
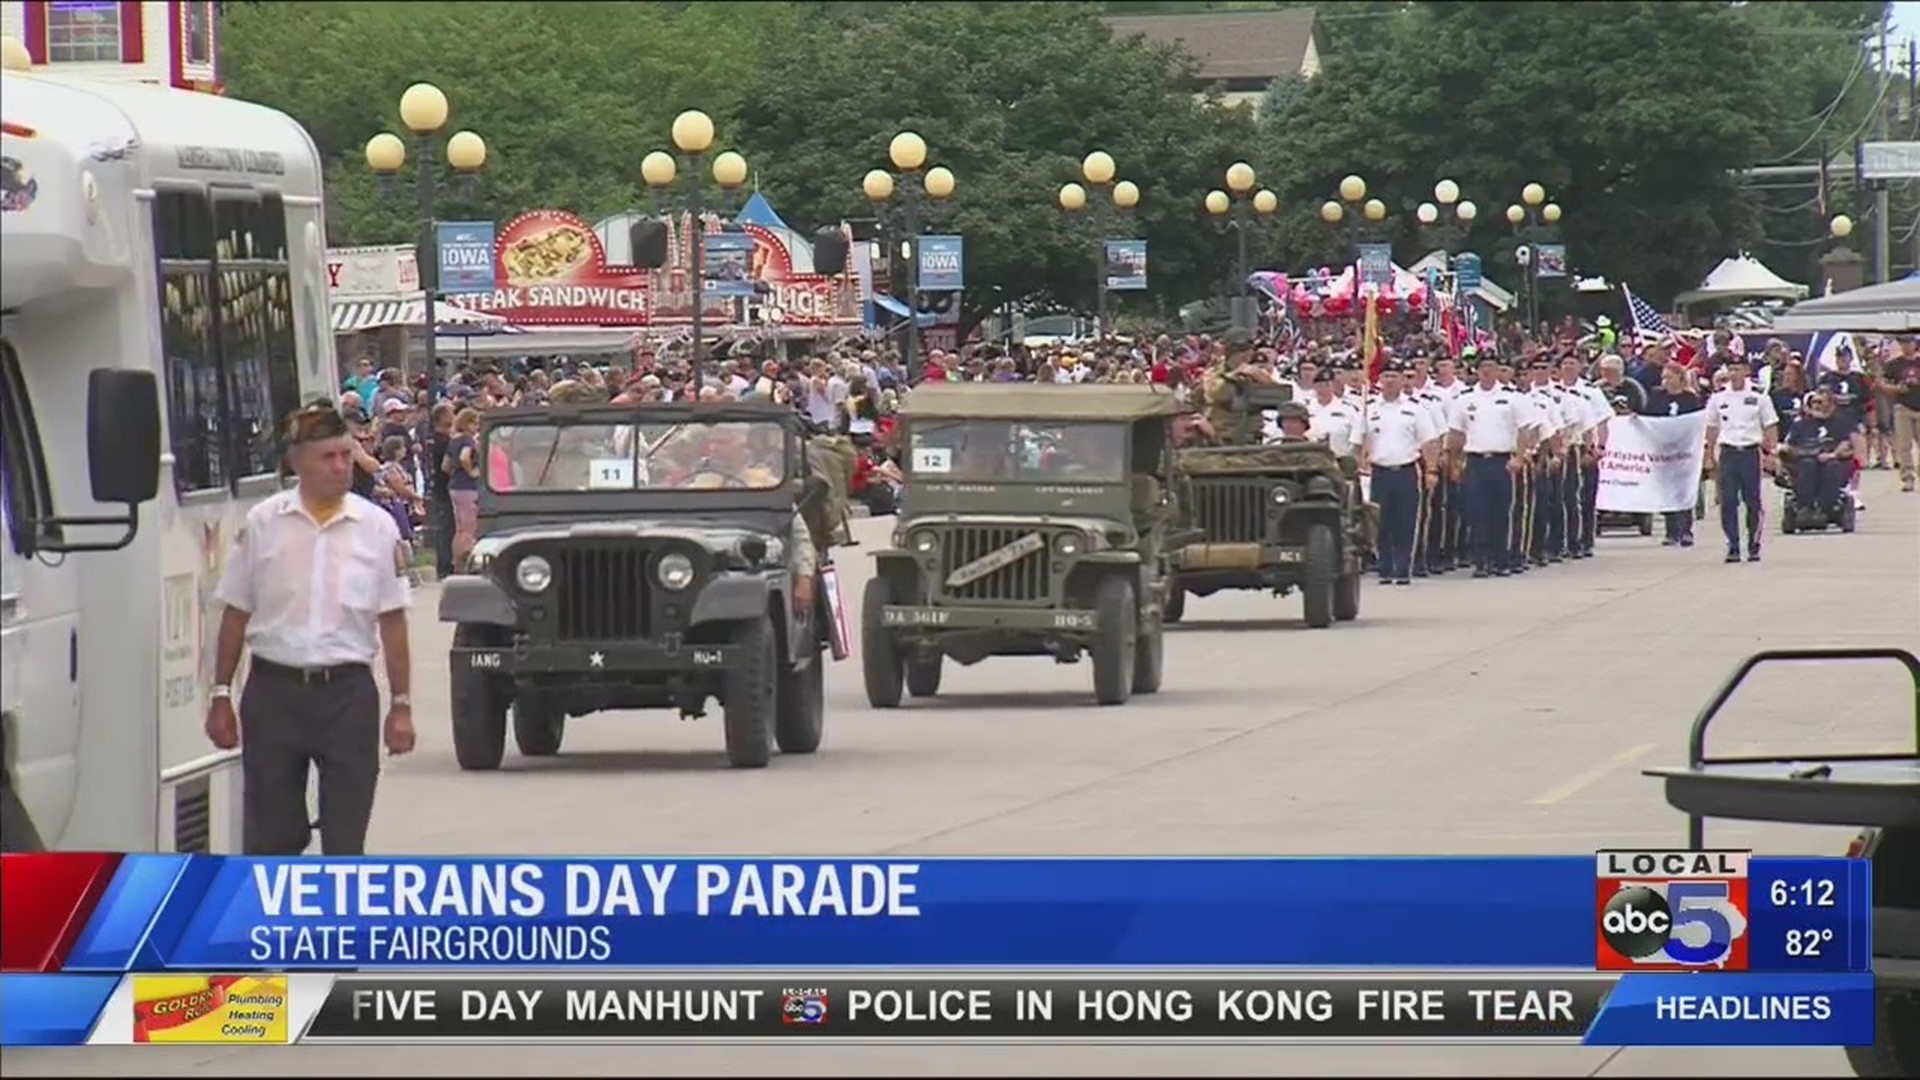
(1913, 122)
(1882, 202)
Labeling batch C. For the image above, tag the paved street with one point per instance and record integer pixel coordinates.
(1503, 716)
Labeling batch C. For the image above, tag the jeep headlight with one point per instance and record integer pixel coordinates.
(1069, 545)
(924, 542)
(675, 572)
(533, 574)
(1281, 496)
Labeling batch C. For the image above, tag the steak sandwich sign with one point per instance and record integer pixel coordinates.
(550, 269)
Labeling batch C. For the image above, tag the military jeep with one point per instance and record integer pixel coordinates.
(1035, 523)
(651, 557)
(1279, 516)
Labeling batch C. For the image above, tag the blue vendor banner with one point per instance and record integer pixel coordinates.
(942, 264)
(728, 264)
(1126, 264)
(466, 256)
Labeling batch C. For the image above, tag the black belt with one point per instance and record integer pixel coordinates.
(1393, 468)
(308, 676)
(1489, 453)
(1740, 449)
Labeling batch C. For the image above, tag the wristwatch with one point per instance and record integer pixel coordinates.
(222, 692)
(401, 701)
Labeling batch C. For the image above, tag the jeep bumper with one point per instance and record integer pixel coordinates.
(593, 659)
(1054, 620)
(1237, 556)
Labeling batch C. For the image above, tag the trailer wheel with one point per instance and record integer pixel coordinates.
(1896, 1047)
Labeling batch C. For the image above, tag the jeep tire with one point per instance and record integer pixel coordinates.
(923, 674)
(479, 703)
(1175, 608)
(1322, 573)
(1115, 641)
(537, 727)
(880, 660)
(749, 695)
(799, 717)
(1149, 652)
(1346, 597)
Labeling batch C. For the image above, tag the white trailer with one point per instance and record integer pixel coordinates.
(162, 303)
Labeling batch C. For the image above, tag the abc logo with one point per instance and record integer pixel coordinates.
(1636, 923)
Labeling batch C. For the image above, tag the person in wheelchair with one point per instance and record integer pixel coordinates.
(1819, 451)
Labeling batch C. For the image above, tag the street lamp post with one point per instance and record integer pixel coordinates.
(908, 153)
(424, 109)
(1098, 171)
(693, 138)
(1240, 208)
(1533, 218)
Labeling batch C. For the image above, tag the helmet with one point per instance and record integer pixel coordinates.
(1293, 410)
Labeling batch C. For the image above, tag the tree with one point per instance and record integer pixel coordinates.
(1010, 97)
(1637, 130)
(568, 96)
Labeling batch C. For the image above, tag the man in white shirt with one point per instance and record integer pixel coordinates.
(1401, 452)
(1335, 421)
(1741, 429)
(316, 589)
(1493, 432)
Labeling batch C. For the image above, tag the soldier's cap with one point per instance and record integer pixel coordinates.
(1395, 367)
(1323, 375)
(1540, 362)
(1293, 410)
(316, 422)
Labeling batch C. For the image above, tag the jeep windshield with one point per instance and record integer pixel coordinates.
(690, 455)
(1018, 451)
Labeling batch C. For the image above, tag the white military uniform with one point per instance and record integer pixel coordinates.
(1397, 430)
(1741, 415)
(1336, 423)
(1492, 420)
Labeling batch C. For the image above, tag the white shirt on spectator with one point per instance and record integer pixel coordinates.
(315, 592)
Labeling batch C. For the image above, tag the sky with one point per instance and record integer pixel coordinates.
(1906, 19)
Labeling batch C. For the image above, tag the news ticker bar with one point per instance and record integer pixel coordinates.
(847, 1006)
(1046, 1007)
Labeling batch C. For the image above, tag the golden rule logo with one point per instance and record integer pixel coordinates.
(210, 1008)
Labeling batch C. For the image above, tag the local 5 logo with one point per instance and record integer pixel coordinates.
(1673, 925)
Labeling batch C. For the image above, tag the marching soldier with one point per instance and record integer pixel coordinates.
(1399, 446)
(1492, 429)
(1430, 551)
(1741, 427)
(1335, 421)
(316, 589)
(1591, 410)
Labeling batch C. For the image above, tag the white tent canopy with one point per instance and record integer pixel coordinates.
(1888, 309)
(1741, 278)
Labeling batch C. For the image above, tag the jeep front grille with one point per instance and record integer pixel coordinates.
(1027, 580)
(601, 592)
(1233, 511)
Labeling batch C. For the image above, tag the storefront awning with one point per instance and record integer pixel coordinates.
(899, 310)
(353, 316)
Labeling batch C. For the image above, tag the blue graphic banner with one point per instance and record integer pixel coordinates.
(1376, 264)
(1467, 274)
(728, 264)
(1126, 264)
(170, 911)
(942, 264)
(466, 256)
(1732, 1009)
(1552, 260)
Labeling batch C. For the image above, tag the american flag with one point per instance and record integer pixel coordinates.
(1648, 327)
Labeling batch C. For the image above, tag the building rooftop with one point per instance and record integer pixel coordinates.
(1231, 45)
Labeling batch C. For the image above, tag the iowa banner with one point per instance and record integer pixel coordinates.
(1652, 463)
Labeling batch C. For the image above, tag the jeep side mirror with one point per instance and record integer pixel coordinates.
(123, 457)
